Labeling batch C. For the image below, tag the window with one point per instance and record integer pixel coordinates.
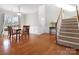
(11, 21)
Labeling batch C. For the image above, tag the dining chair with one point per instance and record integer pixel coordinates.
(10, 31)
(26, 29)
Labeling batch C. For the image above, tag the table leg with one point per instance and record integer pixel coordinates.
(16, 36)
(19, 35)
(50, 31)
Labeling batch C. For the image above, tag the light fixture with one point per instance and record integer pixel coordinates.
(19, 13)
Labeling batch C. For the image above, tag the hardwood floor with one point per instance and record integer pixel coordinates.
(43, 44)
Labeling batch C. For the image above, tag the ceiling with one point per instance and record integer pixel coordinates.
(24, 8)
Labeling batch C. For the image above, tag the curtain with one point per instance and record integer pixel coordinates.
(1, 23)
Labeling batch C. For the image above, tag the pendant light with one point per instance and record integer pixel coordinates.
(19, 13)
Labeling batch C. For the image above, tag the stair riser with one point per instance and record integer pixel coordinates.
(70, 20)
(69, 27)
(69, 39)
(73, 31)
(69, 23)
(70, 35)
(68, 44)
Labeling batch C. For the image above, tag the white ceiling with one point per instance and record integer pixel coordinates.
(24, 8)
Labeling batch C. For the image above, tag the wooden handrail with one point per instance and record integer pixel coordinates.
(77, 12)
(60, 15)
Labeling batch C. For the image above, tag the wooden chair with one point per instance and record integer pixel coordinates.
(18, 32)
(12, 32)
(26, 29)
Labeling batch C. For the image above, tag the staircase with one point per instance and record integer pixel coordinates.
(67, 30)
(69, 33)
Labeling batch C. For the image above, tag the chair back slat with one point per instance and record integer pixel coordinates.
(26, 28)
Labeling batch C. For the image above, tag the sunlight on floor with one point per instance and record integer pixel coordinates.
(6, 44)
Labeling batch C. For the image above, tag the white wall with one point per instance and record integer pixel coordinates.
(37, 21)
(52, 13)
(22, 20)
(42, 18)
(32, 20)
